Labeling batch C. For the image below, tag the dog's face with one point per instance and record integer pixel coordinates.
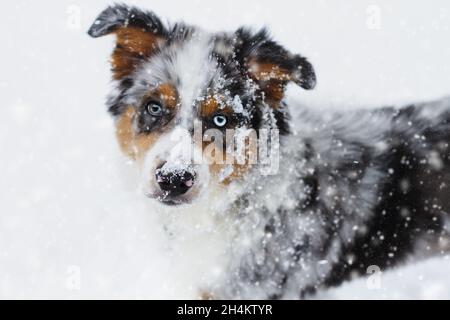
(182, 94)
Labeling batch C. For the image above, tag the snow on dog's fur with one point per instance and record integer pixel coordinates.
(352, 189)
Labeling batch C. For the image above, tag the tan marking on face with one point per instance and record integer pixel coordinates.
(168, 94)
(131, 143)
(209, 108)
(239, 171)
(132, 45)
(212, 106)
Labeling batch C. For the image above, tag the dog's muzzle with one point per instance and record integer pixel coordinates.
(174, 182)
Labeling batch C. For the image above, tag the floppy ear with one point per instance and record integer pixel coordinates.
(139, 35)
(272, 66)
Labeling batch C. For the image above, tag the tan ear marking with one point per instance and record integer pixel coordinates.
(265, 71)
(272, 80)
(133, 44)
(139, 33)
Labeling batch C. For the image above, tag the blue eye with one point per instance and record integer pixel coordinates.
(220, 121)
(154, 109)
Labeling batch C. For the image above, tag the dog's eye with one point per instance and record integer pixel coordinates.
(154, 109)
(220, 120)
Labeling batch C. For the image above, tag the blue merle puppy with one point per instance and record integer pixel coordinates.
(352, 189)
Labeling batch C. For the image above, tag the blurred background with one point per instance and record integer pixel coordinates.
(72, 225)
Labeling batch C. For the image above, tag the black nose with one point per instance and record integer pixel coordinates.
(174, 182)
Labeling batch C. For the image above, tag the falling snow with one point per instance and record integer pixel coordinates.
(73, 223)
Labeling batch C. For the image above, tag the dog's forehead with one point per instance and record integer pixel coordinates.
(187, 64)
(191, 66)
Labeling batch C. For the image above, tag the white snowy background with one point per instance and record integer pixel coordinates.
(73, 226)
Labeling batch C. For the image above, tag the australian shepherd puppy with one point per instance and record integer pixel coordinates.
(285, 205)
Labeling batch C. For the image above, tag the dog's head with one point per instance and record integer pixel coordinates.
(183, 94)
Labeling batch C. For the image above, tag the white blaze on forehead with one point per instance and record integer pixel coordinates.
(194, 68)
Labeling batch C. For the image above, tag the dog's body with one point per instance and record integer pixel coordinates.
(353, 189)
(356, 189)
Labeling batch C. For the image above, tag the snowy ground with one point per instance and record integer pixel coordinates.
(72, 226)
(424, 280)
